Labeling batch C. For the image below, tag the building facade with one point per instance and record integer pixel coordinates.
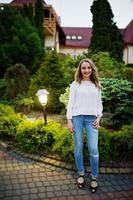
(73, 40)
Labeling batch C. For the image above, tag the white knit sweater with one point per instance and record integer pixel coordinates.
(84, 99)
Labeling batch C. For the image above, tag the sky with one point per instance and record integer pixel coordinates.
(76, 13)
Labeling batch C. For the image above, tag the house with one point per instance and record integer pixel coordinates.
(54, 36)
(128, 43)
(78, 41)
(73, 40)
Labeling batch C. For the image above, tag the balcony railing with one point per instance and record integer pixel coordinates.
(50, 25)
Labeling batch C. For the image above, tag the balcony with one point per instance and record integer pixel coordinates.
(49, 26)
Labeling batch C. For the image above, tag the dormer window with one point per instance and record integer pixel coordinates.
(73, 37)
(79, 37)
(68, 37)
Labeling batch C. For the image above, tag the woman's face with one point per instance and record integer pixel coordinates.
(86, 70)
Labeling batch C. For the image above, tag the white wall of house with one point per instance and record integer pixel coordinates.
(57, 46)
(128, 54)
(49, 41)
(74, 52)
(52, 41)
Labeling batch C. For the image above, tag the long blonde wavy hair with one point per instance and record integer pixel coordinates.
(93, 76)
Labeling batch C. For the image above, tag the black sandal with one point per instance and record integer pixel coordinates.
(93, 185)
(80, 181)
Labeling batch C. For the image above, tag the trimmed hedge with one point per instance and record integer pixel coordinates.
(34, 136)
(8, 121)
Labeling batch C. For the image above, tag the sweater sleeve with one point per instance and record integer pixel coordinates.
(71, 100)
(99, 104)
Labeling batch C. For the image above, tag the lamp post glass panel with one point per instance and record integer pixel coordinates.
(43, 97)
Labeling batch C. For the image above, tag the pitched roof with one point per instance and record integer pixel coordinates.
(83, 33)
(128, 33)
(14, 2)
(22, 1)
(86, 34)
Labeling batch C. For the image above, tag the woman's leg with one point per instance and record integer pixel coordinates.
(78, 143)
(92, 140)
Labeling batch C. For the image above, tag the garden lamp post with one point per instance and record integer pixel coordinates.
(43, 97)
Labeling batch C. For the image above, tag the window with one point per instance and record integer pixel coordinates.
(79, 37)
(73, 37)
(68, 37)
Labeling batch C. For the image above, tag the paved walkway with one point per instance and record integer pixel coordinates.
(27, 177)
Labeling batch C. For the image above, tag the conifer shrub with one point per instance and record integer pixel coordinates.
(9, 121)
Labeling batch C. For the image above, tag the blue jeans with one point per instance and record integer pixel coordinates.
(80, 122)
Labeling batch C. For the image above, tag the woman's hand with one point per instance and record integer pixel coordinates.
(96, 123)
(70, 126)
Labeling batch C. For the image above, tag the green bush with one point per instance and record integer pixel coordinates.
(63, 144)
(128, 73)
(107, 66)
(3, 86)
(23, 104)
(8, 121)
(104, 145)
(34, 136)
(6, 110)
(17, 80)
(129, 65)
(121, 143)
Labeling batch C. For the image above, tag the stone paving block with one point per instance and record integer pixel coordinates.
(48, 189)
(102, 170)
(58, 193)
(66, 193)
(55, 182)
(50, 178)
(50, 194)
(16, 186)
(71, 198)
(67, 187)
(17, 192)
(38, 184)
(36, 179)
(42, 195)
(41, 189)
(1, 194)
(33, 197)
(7, 198)
(33, 190)
(16, 197)
(9, 187)
(115, 170)
(25, 191)
(73, 192)
(45, 183)
(57, 188)
(28, 180)
(122, 170)
(104, 189)
(109, 170)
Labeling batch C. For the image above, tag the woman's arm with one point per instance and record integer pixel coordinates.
(99, 112)
(70, 106)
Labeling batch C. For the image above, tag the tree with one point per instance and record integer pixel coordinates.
(27, 11)
(105, 36)
(50, 76)
(39, 19)
(19, 41)
(17, 78)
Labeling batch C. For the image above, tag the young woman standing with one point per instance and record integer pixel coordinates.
(84, 111)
